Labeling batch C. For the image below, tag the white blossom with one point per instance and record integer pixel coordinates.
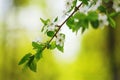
(90, 7)
(116, 5)
(60, 39)
(68, 4)
(103, 20)
(95, 6)
(37, 39)
(84, 9)
(52, 26)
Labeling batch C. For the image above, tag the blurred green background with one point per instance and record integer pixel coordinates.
(95, 55)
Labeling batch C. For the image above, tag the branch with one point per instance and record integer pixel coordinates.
(75, 10)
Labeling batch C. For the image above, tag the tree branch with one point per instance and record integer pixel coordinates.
(75, 10)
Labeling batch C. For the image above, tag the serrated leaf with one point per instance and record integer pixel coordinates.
(60, 48)
(50, 33)
(25, 58)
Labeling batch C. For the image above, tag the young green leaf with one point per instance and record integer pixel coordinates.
(45, 22)
(77, 21)
(70, 23)
(60, 48)
(50, 33)
(36, 45)
(102, 9)
(112, 22)
(52, 45)
(32, 64)
(95, 24)
(84, 1)
(56, 19)
(92, 16)
(114, 14)
(38, 55)
(83, 30)
(25, 58)
(83, 21)
(73, 5)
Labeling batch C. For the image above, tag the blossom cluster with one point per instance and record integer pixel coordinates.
(95, 5)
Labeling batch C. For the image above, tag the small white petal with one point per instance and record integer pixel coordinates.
(116, 5)
(103, 20)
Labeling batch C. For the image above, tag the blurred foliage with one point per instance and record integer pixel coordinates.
(20, 3)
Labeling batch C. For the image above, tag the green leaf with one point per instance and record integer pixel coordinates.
(83, 30)
(114, 14)
(60, 48)
(32, 64)
(56, 19)
(77, 21)
(112, 22)
(80, 16)
(38, 55)
(92, 16)
(25, 58)
(95, 24)
(45, 22)
(83, 21)
(73, 5)
(102, 9)
(50, 33)
(52, 45)
(106, 1)
(36, 45)
(70, 23)
(84, 1)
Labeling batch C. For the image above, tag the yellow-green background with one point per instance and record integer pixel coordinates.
(95, 59)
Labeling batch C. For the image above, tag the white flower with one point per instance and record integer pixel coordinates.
(95, 6)
(116, 5)
(103, 20)
(51, 27)
(90, 7)
(68, 4)
(37, 39)
(84, 9)
(60, 39)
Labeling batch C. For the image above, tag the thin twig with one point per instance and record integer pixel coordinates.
(75, 10)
